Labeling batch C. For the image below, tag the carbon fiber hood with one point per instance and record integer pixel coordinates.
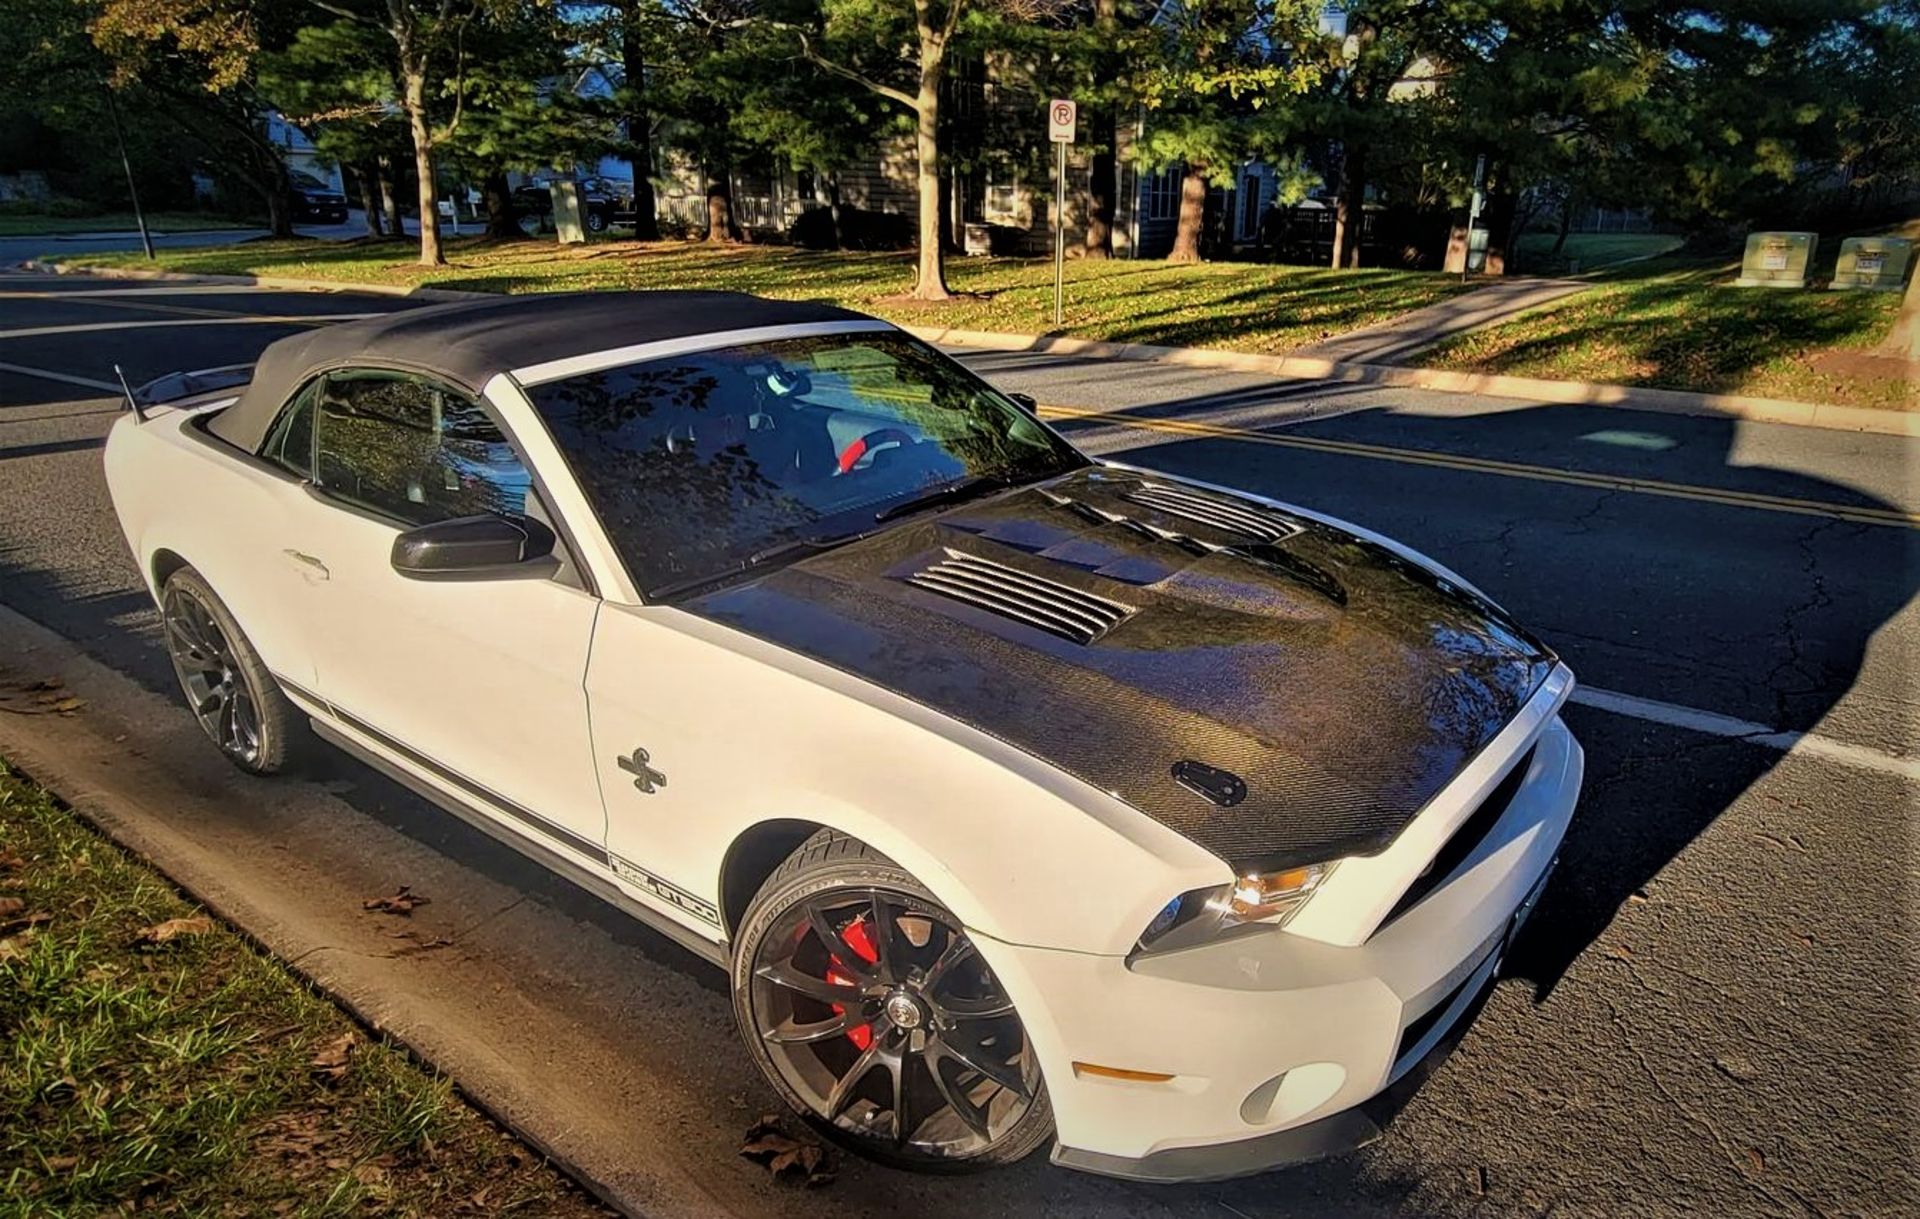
(1117, 624)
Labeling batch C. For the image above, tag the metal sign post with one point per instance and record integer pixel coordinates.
(1061, 116)
(1473, 214)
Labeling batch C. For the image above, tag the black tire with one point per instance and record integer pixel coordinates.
(925, 1016)
(596, 222)
(235, 700)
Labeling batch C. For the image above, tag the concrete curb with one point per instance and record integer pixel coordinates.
(1532, 389)
(282, 282)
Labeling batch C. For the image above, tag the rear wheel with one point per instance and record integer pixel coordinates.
(237, 702)
(870, 1010)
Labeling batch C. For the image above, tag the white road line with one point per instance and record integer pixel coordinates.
(50, 375)
(1714, 724)
(238, 319)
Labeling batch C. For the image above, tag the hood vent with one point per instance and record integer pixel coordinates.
(1221, 514)
(1052, 607)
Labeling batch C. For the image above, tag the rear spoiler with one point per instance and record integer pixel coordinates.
(179, 386)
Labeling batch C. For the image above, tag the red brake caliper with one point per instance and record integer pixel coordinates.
(862, 944)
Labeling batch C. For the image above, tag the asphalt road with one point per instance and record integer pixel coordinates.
(1715, 1007)
(18, 249)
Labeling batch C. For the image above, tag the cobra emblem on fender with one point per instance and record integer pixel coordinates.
(645, 777)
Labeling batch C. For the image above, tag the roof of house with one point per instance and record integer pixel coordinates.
(470, 342)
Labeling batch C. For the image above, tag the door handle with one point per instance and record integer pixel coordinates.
(310, 567)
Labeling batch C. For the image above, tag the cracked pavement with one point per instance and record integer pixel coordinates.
(1713, 1010)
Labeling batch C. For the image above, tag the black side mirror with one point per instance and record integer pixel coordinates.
(1026, 403)
(475, 547)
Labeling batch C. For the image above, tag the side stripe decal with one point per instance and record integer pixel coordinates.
(625, 869)
(527, 817)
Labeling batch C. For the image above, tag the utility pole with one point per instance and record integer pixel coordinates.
(133, 192)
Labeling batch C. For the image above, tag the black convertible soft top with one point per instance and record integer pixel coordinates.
(469, 342)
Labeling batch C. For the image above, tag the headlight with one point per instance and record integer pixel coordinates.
(1258, 898)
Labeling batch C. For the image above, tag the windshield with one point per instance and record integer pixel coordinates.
(712, 463)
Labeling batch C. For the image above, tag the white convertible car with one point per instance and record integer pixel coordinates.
(1029, 799)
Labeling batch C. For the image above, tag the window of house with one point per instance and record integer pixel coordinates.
(1003, 197)
(411, 449)
(1162, 194)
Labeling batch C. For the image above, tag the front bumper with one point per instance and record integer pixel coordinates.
(1275, 1042)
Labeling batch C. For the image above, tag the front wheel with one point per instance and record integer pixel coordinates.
(596, 222)
(869, 1009)
(237, 702)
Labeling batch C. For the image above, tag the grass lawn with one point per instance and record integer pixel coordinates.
(1591, 250)
(189, 1074)
(14, 224)
(1249, 307)
(1679, 324)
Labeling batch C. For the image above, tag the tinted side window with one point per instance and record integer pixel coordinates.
(290, 444)
(414, 450)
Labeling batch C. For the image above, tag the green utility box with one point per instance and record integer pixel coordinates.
(567, 213)
(1877, 264)
(1777, 260)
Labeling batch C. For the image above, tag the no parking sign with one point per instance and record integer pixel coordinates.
(1061, 116)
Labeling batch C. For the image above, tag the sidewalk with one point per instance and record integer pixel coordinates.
(1388, 342)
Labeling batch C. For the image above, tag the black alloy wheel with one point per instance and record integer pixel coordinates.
(228, 688)
(872, 1011)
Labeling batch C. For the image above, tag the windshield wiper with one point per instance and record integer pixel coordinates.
(792, 548)
(952, 492)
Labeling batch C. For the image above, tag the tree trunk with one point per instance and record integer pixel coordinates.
(1193, 216)
(279, 214)
(1566, 225)
(833, 211)
(1103, 127)
(1102, 182)
(369, 182)
(721, 228)
(1904, 338)
(390, 197)
(501, 223)
(415, 101)
(931, 283)
(639, 124)
(1349, 216)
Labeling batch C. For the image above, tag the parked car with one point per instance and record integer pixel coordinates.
(602, 205)
(315, 200)
(1027, 799)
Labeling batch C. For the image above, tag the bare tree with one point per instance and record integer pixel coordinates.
(917, 88)
(425, 34)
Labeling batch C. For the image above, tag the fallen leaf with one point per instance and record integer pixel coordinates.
(10, 860)
(331, 1060)
(62, 1163)
(10, 906)
(66, 705)
(1620, 952)
(767, 1143)
(25, 922)
(1757, 1160)
(174, 928)
(403, 902)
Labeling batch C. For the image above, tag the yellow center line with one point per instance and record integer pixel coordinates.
(1506, 469)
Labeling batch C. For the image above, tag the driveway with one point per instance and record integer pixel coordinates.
(1712, 1010)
